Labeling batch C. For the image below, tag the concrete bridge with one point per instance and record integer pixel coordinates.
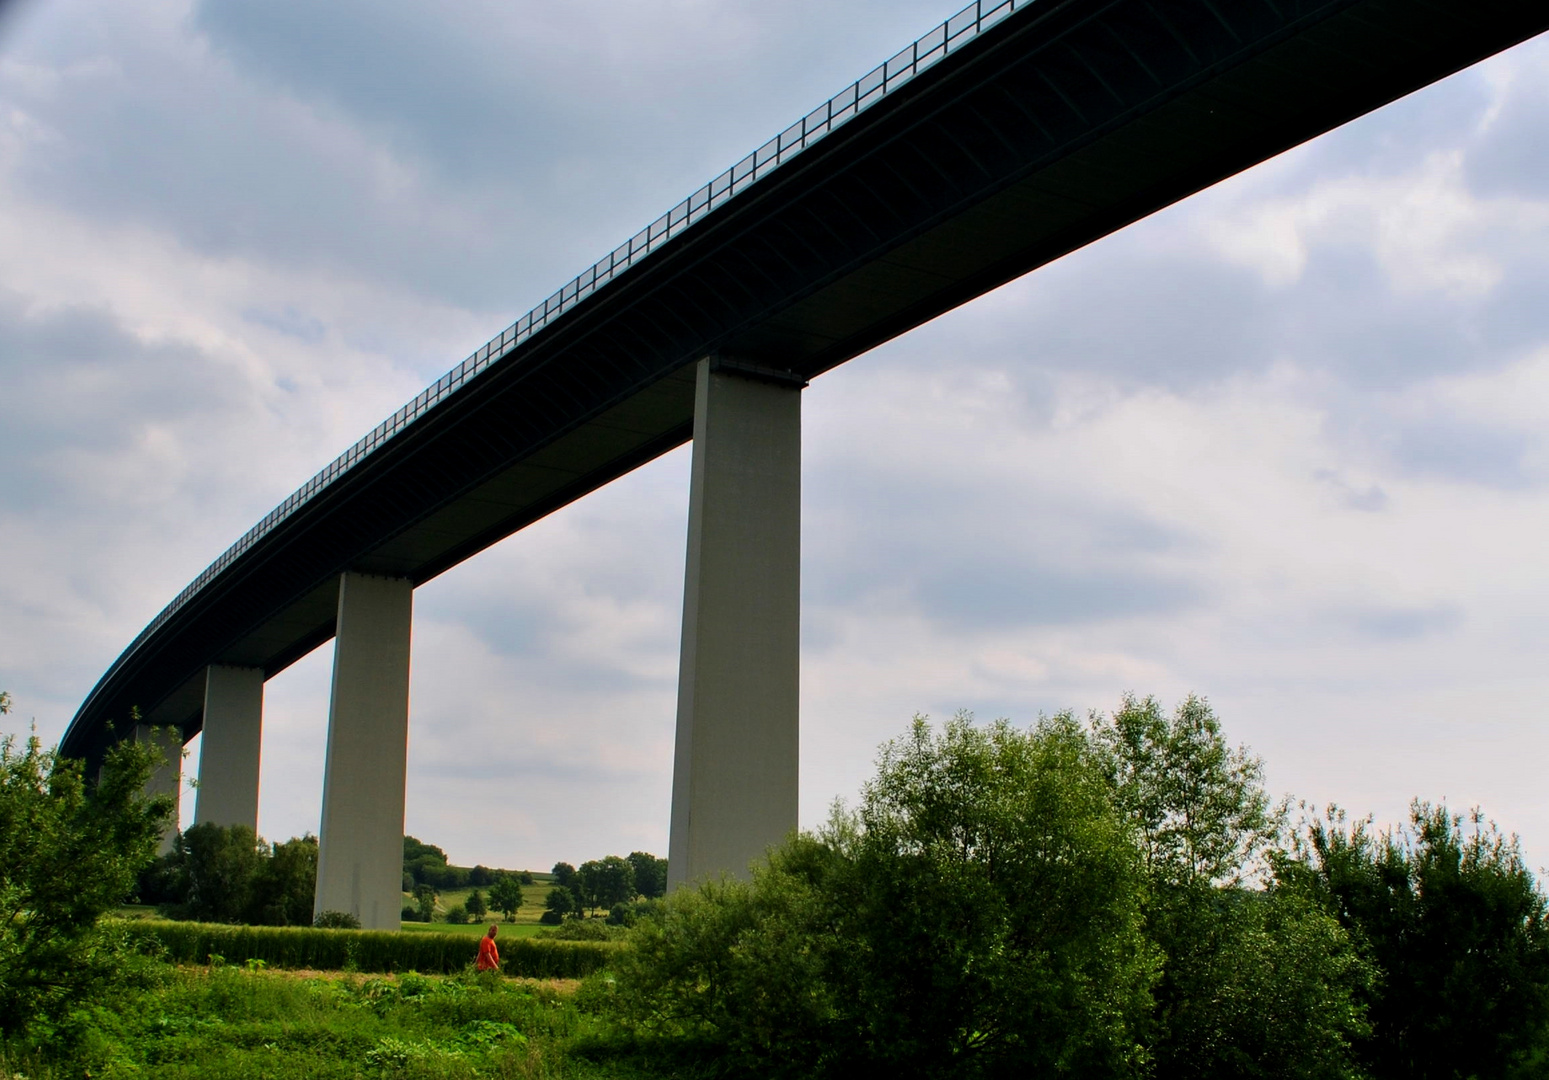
(1010, 135)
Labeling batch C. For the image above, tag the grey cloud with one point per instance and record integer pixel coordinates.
(1154, 308)
(968, 555)
(1467, 452)
(289, 321)
(1511, 156)
(73, 381)
(993, 595)
(1368, 499)
(480, 154)
(1406, 624)
(550, 768)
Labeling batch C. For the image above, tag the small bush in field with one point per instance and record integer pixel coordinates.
(336, 920)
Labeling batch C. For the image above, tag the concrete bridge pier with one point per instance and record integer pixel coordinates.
(229, 754)
(360, 844)
(734, 782)
(168, 777)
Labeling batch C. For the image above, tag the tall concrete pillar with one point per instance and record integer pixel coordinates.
(360, 844)
(168, 777)
(734, 770)
(228, 755)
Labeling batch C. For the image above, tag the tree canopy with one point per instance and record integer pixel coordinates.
(70, 851)
(1118, 898)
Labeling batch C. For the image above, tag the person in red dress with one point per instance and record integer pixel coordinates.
(489, 956)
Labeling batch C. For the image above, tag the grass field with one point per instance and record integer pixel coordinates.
(523, 924)
(478, 929)
(246, 1025)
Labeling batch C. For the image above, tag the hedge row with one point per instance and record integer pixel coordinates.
(367, 950)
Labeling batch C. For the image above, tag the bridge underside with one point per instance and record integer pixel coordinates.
(1061, 124)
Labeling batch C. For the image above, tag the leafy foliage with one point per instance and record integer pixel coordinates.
(424, 903)
(505, 895)
(69, 852)
(979, 914)
(1459, 929)
(1254, 982)
(224, 1021)
(1198, 805)
(336, 920)
(560, 902)
(650, 874)
(218, 873)
(601, 883)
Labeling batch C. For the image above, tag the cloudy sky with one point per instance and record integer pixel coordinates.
(1285, 444)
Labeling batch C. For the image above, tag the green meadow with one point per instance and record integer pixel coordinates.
(238, 1024)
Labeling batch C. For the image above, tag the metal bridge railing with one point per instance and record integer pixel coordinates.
(832, 114)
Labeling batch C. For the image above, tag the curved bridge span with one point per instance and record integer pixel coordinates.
(1010, 135)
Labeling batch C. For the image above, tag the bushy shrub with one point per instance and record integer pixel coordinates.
(583, 930)
(457, 915)
(551, 918)
(631, 913)
(410, 913)
(70, 851)
(979, 914)
(336, 920)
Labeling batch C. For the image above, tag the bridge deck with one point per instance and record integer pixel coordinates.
(1042, 129)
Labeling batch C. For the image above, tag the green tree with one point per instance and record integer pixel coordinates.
(1457, 925)
(475, 905)
(1256, 981)
(427, 864)
(978, 914)
(505, 895)
(650, 874)
(216, 867)
(605, 882)
(584, 885)
(1199, 805)
(285, 885)
(425, 902)
(564, 874)
(559, 903)
(69, 853)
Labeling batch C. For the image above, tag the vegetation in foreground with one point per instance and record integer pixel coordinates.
(1107, 898)
(233, 1023)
